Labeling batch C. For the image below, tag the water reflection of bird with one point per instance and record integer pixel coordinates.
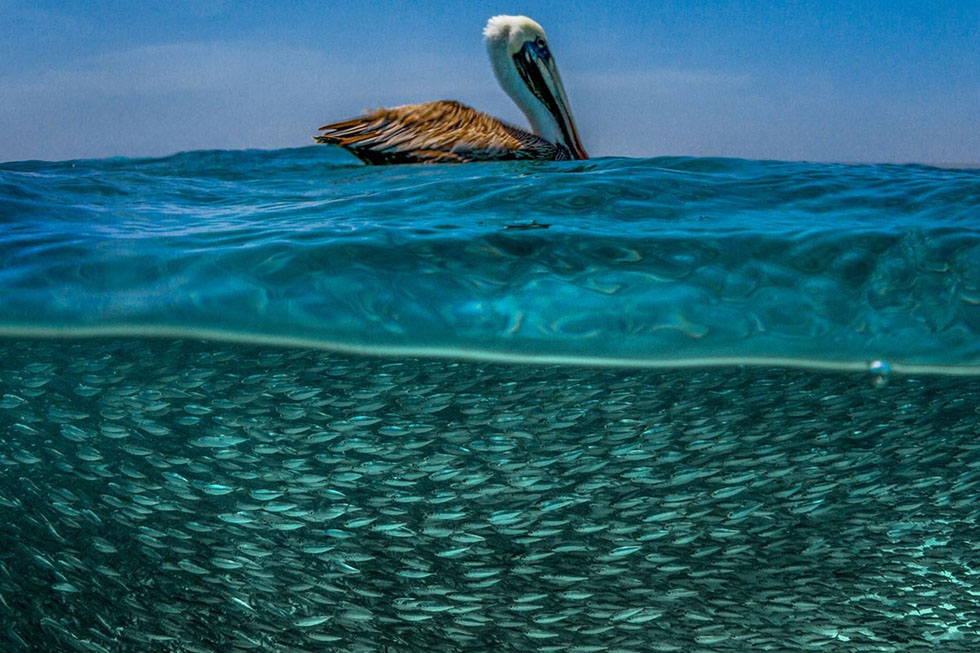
(448, 131)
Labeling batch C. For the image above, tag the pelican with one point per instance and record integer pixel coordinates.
(450, 132)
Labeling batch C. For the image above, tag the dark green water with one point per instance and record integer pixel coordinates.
(174, 495)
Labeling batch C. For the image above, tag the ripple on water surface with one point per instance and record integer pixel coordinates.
(629, 261)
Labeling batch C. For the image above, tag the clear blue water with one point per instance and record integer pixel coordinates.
(279, 401)
(654, 262)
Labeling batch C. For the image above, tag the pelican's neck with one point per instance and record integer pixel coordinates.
(543, 124)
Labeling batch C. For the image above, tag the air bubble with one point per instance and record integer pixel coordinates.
(880, 372)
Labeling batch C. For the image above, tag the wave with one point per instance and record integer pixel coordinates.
(645, 262)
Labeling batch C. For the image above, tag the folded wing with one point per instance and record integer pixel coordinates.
(435, 132)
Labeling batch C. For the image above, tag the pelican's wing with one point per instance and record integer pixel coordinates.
(434, 132)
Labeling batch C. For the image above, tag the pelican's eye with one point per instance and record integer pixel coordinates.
(542, 47)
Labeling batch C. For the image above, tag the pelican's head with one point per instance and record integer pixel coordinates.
(525, 68)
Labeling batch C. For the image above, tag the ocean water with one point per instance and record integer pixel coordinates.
(282, 401)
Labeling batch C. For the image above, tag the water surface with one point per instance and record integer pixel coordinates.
(626, 261)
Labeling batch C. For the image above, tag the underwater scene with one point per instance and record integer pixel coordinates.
(279, 401)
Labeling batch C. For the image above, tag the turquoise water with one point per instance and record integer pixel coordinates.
(279, 401)
(657, 261)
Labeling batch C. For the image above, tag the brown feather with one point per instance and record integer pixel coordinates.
(435, 132)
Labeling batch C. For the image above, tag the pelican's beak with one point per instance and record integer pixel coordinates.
(539, 72)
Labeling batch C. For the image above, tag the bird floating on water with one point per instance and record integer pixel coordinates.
(448, 131)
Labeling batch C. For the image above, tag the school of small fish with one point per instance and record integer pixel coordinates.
(175, 495)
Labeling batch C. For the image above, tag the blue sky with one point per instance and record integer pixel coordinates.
(828, 80)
